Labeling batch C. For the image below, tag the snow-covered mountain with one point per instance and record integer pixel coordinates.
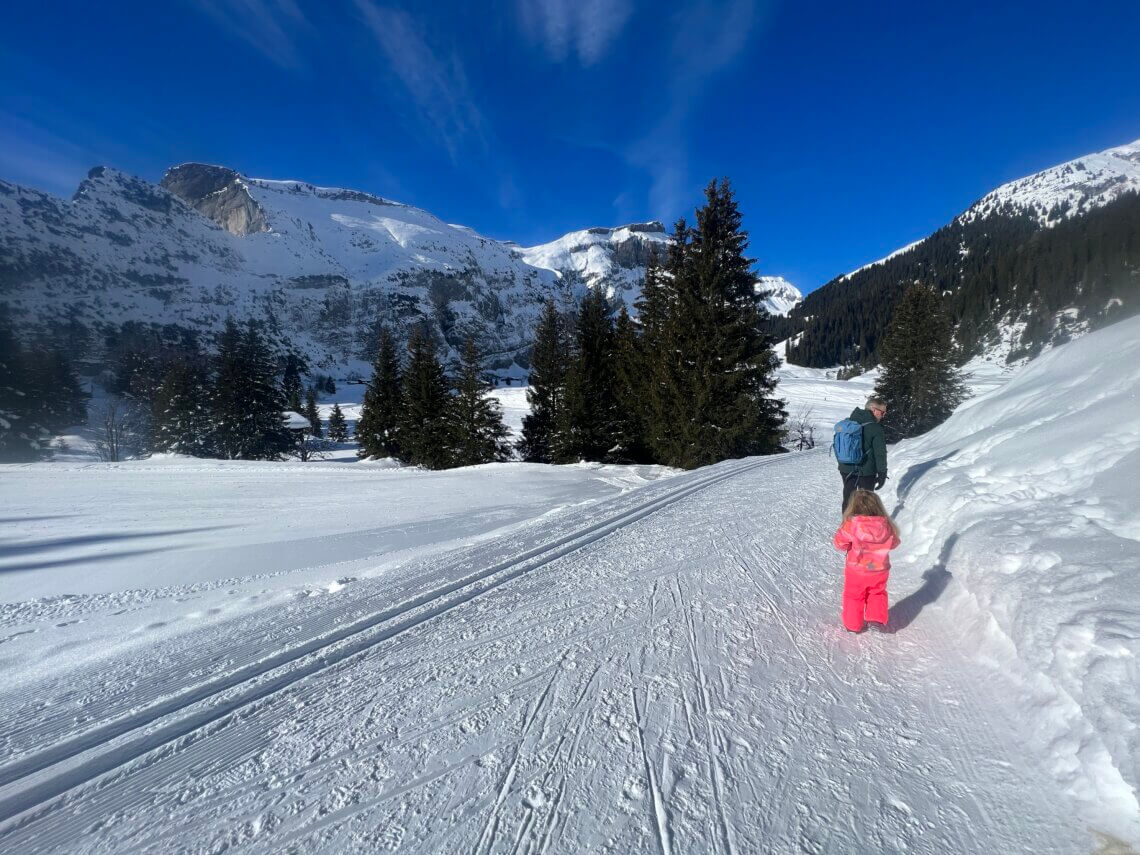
(1054, 253)
(779, 295)
(613, 259)
(321, 265)
(1054, 194)
(1066, 190)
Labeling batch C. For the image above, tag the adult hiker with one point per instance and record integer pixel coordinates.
(861, 448)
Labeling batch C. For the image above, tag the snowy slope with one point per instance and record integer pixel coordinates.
(1068, 189)
(1028, 497)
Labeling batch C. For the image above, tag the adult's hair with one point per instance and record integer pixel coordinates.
(865, 503)
(876, 401)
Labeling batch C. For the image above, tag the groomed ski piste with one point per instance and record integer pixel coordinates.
(211, 657)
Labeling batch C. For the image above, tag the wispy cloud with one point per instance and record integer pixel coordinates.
(436, 83)
(708, 36)
(585, 28)
(272, 27)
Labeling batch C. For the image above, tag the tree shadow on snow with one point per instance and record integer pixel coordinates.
(935, 580)
(36, 548)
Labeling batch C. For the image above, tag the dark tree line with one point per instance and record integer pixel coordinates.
(421, 415)
(689, 382)
(983, 270)
(40, 394)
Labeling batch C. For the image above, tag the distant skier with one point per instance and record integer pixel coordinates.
(860, 446)
(867, 535)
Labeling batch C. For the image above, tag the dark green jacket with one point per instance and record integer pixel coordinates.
(874, 446)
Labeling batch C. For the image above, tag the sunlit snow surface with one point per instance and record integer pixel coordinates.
(344, 657)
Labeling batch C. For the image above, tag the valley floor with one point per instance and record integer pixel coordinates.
(660, 671)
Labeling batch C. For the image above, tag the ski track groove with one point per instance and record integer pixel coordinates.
(660, 817)
(14, 804)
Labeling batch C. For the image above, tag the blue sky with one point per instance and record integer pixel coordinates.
(847, 131)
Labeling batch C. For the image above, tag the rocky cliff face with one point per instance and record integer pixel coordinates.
(218, 193)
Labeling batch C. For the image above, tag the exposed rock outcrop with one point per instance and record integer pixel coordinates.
(218, 193)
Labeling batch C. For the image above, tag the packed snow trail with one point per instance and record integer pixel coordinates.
(672, 680)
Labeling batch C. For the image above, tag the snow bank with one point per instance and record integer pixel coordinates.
(1028, 498)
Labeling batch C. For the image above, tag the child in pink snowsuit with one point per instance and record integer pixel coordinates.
(867, 535)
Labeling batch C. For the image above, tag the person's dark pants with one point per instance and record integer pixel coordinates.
(851, 483)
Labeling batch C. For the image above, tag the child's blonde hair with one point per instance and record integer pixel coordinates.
(865, 503)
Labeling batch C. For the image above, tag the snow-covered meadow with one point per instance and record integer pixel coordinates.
(344, 656)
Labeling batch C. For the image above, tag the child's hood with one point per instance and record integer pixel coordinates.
(871, 529)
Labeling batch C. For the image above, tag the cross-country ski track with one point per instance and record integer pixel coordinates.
(663, 672)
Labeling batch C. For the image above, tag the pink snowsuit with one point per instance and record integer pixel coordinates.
(867, 540)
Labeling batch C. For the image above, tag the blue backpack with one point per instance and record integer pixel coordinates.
(847, 443)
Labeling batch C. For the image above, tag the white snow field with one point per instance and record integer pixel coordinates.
(658, 669)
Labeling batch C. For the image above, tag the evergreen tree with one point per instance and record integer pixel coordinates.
(587, 428)
(918, 379)
(715, 399)
(248, 405)
(23, 436)
(547, 387)
(291, 385)
(181, 420)
(629, 377)
(338, 426)
(377, 431)
(424, 426)
(312, 413)
(479, 435)
(661, 363)
(53, 387)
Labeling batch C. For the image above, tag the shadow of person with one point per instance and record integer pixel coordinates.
(903, 613)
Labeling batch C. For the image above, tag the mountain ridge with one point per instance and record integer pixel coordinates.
(1053, 254)
(321, 266)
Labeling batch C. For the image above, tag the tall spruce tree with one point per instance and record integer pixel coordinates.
(918, 380)
(629, 393)
(660, 363)
(547, 390)
(377, 430)
(248, 404)
(291, 384)
(23, 436)
(479, 435)
(587, 428)
(312, 413)
(715, 397)
(425, 416)
(338, 425)
(180, 420)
